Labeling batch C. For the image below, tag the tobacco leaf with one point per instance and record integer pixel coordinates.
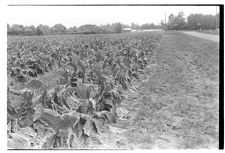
(105, 115)
(45, 100)
(36, 85)
(98, 125)
(88, 127)
(57, 121)
(49, 142)
(25, 113)
(18, 141)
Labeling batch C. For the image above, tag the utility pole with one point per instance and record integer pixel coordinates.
(165, 21)
(216, 17)
(198, 23)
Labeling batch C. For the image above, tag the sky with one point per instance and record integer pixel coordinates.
(71, 16)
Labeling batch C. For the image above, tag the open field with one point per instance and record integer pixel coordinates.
(136, 90)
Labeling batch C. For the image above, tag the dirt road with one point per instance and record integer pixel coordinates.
(203, 35)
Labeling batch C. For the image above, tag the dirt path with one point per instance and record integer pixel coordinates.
(176, 103)
(203, 35)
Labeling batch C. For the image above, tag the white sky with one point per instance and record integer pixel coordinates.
(79, 15)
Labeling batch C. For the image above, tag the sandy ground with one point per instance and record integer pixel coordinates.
(175, 106)
(203, 35)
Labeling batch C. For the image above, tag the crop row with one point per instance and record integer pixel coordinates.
(91, 72)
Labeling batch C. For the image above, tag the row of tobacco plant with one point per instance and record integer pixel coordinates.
(89, 75)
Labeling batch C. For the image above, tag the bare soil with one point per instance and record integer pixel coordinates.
(176, 104)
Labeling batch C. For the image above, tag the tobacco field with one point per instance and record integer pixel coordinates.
(64, 90)
(115, 91)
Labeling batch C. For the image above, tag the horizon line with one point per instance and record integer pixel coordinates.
(102, 24)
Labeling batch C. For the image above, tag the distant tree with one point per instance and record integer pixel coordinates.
(125, 26)
(180, 21)
(145, 26)
(89, 29)
(192, 21)
(200, 21)
(162, 24)
(29, 30)
(176, 22)
(17, 29)
(39, 31)
(9, 29)
(207, 22)
(71, 30)
(118, 28)
(106, 28)
(152, 26)
(58, 29)
(217, 20)
(171, 23)
(135, 26)
(44, 29)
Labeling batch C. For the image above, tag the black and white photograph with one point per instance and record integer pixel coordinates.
(113, 76)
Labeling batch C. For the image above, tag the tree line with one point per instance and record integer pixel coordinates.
(41, 29)
(193, 22)
(175, 22)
